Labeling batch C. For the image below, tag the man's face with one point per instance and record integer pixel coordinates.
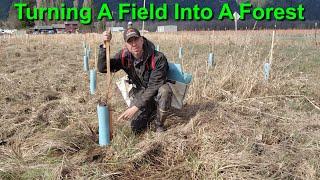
(135, 45)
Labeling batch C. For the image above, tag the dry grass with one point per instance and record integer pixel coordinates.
(235, 125)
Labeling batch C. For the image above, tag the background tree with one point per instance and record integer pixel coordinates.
(76, 3)
(14, 22)
(89, 4)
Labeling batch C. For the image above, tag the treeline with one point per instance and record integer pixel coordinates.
(220, 25)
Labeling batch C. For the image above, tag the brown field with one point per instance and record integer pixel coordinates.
(234, 125)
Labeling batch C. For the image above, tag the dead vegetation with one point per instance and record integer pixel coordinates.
(235, 125)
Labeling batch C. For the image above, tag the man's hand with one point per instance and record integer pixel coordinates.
(106, 36)
(129, 113)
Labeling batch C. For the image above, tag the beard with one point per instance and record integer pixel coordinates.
(136, 53)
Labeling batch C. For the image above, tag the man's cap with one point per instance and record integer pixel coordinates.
(129, 33)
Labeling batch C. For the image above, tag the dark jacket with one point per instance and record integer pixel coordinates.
(141, 75)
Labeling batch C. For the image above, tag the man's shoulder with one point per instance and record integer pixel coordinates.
(160, 56)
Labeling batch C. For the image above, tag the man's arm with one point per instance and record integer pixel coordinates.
(115, 62)
(157, 78)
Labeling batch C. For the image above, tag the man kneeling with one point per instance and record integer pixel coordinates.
(147, 71)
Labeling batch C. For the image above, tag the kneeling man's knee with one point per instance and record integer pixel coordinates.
(165, 90)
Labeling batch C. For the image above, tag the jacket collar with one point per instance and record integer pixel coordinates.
(148, 49)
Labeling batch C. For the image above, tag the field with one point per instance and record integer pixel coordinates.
(235, 125)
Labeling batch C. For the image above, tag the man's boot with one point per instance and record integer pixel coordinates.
(160, 119)
(164, 102)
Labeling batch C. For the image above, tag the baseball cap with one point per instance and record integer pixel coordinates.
(129, 33)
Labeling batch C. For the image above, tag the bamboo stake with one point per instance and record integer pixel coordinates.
(271, 50)
(109, 88)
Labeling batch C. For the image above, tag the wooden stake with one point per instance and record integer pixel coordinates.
(271, 57)
(107, 45)
(271, 50)
(181, 51)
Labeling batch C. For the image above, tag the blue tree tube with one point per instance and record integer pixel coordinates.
(180, 52)
(93, 81)
(210, 60)
(88, 53)
(85, 63)
(266, 71)
(104, 126)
